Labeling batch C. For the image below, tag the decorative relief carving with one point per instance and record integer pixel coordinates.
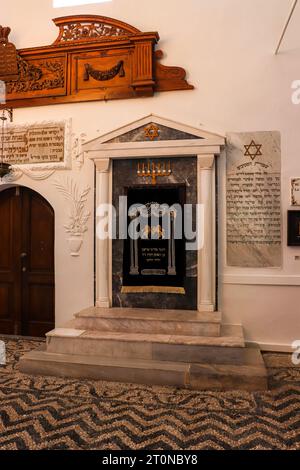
(77, 153)
(31, 76)
(105, 74)
(87, 28)
(17, 173)
(79, 216)
(79, 31)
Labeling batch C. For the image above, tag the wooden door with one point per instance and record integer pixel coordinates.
(26, 263)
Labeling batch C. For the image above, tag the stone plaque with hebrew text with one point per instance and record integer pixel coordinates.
(36, 143)
(253, 198)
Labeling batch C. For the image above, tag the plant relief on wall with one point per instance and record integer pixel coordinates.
(78, 215)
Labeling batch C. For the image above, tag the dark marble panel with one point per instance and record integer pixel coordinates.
(162, 133)
(184, 170)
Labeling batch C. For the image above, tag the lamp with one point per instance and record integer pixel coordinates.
(5, 168)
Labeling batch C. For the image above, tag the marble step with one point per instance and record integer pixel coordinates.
(169, 322)
(250, 376)
(138, 345)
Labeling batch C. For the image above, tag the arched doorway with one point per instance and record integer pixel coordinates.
(26, 263)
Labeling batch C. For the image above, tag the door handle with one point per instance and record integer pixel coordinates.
(23, 255)
(24, 269)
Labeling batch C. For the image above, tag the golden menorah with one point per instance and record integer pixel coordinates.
(154, 170)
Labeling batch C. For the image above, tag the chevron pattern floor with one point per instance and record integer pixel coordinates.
(50, 413)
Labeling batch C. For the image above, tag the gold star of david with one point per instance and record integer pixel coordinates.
(253, 150)
(151, 132)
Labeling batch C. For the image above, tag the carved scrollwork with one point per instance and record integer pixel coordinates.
(89, 28)
(79, 31)
(104, 75)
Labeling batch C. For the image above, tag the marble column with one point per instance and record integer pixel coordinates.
(102, 245)
(206, 254)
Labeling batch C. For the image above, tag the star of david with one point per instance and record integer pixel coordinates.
(151, 132)
(253, 150)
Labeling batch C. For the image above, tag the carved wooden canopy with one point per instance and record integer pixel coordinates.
(93, 58)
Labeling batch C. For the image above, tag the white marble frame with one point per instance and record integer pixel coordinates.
(206, 149)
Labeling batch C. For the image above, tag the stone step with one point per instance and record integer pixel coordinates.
(250, 376)
(166, 322)
(137, 345)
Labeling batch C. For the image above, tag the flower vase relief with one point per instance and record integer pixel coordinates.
(78, 216)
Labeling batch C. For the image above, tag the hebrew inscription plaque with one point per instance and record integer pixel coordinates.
(37, 143)
(253, 197)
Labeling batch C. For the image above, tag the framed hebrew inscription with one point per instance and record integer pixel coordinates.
(37, 145)
(253, 198)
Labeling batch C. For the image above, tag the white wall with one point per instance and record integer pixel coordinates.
(227, 47)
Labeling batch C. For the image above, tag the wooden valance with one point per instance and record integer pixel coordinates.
(93, 58)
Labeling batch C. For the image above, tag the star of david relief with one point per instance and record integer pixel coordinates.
(151, 132)
(253, 150)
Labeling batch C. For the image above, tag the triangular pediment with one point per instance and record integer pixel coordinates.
(152, 132)
(153, 128)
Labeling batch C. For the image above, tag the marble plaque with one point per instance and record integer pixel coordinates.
(295, 189)
(253, 198)
(36, 143)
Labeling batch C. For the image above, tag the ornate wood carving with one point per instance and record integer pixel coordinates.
(47, 75)
(8, 57)
(104, 75)
(169, 78)
(93, 58)
(87, 28)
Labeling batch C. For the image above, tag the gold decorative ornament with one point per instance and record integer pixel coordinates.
(154, 170)
(151, 132)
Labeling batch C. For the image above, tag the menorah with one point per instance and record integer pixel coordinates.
(154, 170)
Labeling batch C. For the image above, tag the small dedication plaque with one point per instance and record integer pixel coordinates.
(36, 143)
(295, 188)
